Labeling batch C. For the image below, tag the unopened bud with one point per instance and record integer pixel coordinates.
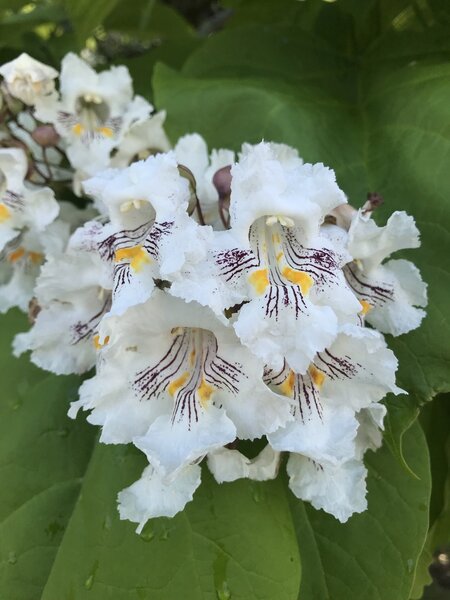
(222, 181)
(45, 135)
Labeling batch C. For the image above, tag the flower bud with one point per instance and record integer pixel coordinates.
(222, 181)
(45, 135)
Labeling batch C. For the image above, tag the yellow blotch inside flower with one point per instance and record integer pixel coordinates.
(178, 383)
(78, 129)
(205, 391)
(300, 278)
(280, 255)
(192, 357)
(106, 131)
(366, 306)
(317, 376)
(275, 238)
(16, 254)
(97, 343)
(287, 387)
(4, 213)
(259, 280)
(35, 257)
(137, 256)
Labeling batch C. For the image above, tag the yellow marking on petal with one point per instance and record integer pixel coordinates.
(97, 343)
(280, 255)
(137, 256)
(192, 358)
(259, 280)
(300, 278)
(78, 129)
(106, 131)
(317, 376)
(178, 383)
(366, 306)
(205, 391)
(276, 238)
(287, 387)
(4, 213)
(16, 254)
(35, 257)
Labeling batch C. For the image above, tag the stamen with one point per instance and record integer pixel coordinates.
(284, 221)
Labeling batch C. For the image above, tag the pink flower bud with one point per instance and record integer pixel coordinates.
(45, 135)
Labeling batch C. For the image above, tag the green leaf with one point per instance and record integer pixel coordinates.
(435, 419)
(373, 556)
(86, 15)
(43, 458)
(232, 541)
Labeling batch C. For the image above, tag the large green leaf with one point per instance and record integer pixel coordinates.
(374, 555)
(43, 457)
(436, 422)
(232, 541)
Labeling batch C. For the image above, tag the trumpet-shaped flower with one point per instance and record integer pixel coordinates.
(276, 259)
(150, 235)
(21, 204)
(28, 79)
(391, 291)
(190, 387)
(94, 112)
(64, 338)
(355, 372)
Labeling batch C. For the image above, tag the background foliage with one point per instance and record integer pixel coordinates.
(362, 87)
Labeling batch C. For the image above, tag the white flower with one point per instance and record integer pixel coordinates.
(355, 372)
(21, 205)
(154, 496)
(182, 380)
(192, 152)
(73, 293)
(23, 256)
(337, 489)
(141, 140)
(391, 291)
(28, 79)
(228, 465)
(150, 235)
(94, 112)
(276, 258)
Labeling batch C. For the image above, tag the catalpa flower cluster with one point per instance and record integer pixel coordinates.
(220, 298)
